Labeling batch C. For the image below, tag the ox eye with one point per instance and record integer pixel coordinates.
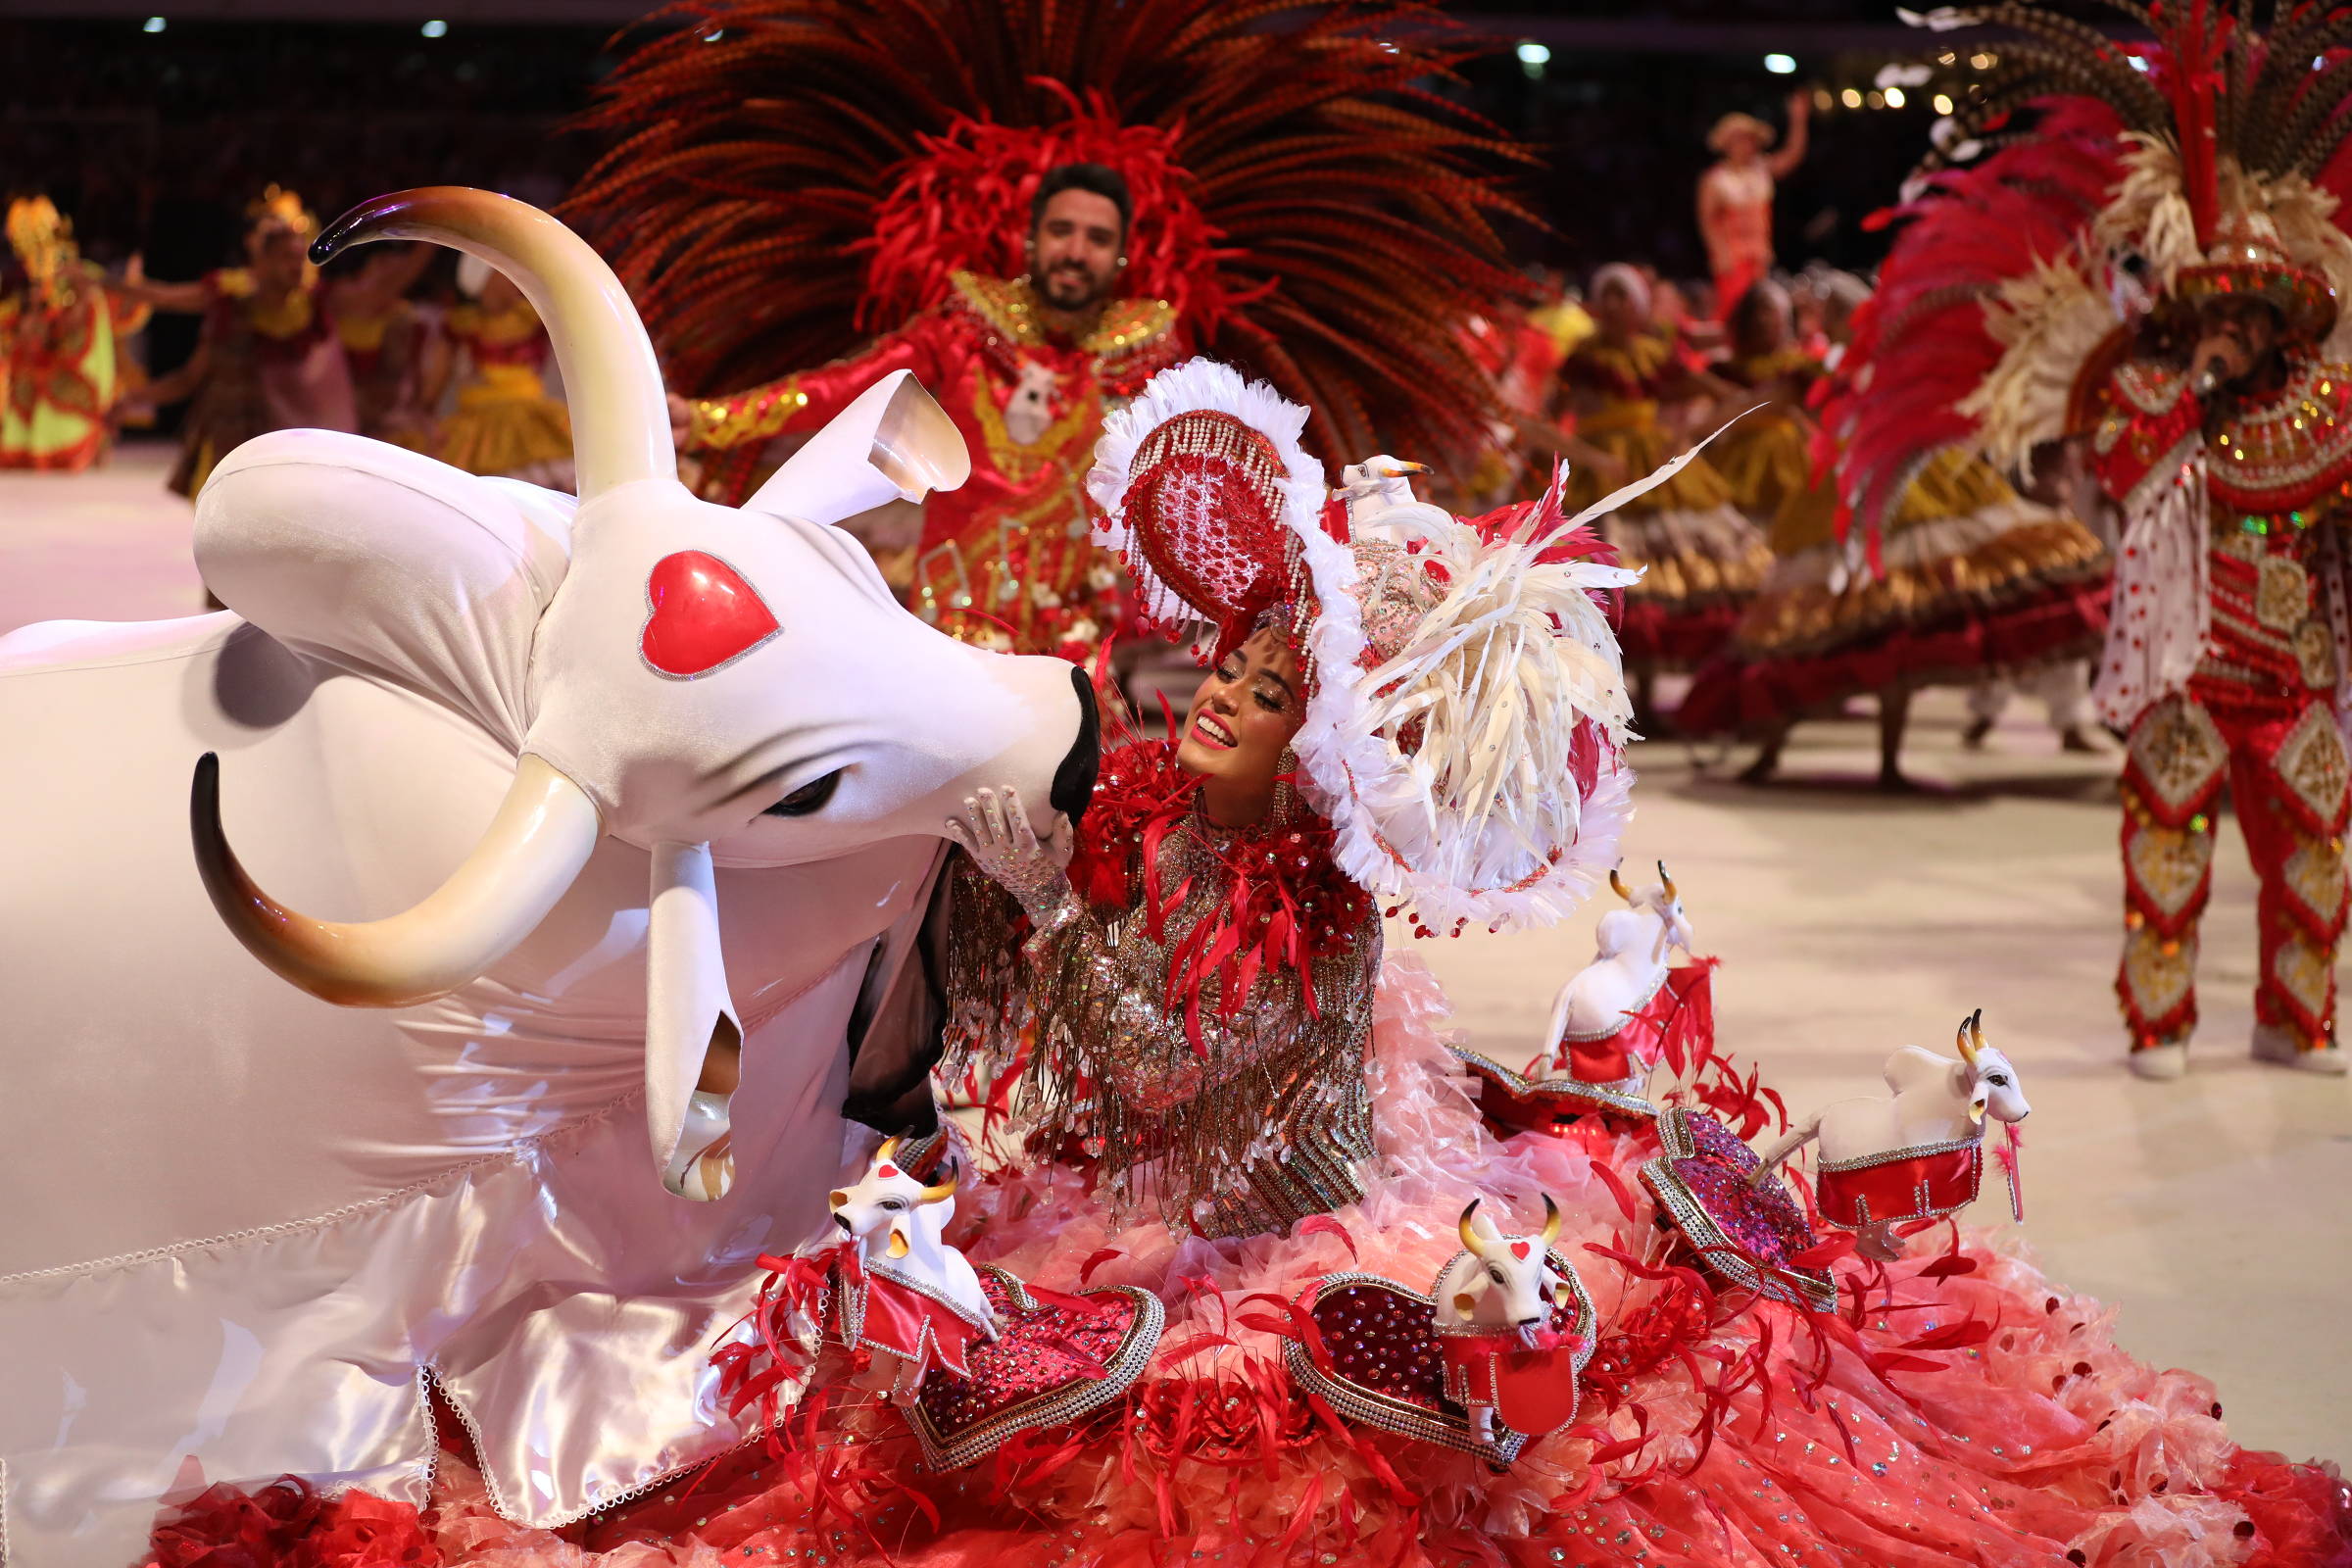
(1998, 1081)
(808, 798)
(1494, 1274)
(892, 1204)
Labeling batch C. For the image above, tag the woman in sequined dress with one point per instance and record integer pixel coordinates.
(1703, 559)
(1198, 986)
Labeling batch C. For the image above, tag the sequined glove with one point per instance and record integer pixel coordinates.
(995, 832)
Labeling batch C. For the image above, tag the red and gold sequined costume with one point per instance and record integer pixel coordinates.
(1005, 558)
(2006, 321)
(1344, 271)
(2256, 715)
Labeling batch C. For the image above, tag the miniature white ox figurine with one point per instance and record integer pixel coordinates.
(1915, 1156)
(1499, 1287)
(1633, 947)
(897, 1221)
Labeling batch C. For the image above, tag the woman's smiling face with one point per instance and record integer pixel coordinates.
(1243, 714)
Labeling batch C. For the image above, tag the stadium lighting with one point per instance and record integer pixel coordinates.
(1780, 65)
(1535, 54)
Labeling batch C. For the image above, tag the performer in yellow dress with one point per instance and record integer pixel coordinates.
(1767, 456)
(1974, 580)
(269, 358)
(59, 377)
(505, 422)
(1704, 559)
(383, 340)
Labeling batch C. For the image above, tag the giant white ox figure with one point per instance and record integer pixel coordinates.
(656, 783)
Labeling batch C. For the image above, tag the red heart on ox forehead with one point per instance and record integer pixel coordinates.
(703, 615)
(885, 1171)
(1518, 1248)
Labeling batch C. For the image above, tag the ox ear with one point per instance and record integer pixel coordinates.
(894, 443)
(898, 1245)
(387, 564)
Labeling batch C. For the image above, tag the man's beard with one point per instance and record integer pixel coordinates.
(1070, 289)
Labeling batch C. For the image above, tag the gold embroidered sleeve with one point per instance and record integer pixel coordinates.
(741, 418)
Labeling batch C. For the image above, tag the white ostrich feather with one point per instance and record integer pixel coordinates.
(1476, 817)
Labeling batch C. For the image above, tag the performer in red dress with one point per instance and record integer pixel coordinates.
(2216, 417)
(1035, 211)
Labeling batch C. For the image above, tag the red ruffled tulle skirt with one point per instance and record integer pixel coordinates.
(1735, 694)
(1959, 1409)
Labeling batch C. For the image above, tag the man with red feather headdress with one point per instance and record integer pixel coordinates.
(1034, 209)
(1025, 366)
(2155, 272)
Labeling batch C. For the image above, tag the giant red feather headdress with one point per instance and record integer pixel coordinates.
(790, 176)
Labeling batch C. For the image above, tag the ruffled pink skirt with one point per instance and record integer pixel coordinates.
(1968, 1410)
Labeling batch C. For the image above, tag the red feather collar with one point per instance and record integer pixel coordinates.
(1284, 903)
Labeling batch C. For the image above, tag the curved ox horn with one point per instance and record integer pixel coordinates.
(945, 1190)
(1551, 1220)
(1476, 1243)
(1970, 1037)
(1670, 895)
(542, 835)
(619, 419)
(1618, 887)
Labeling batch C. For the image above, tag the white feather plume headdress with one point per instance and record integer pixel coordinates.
(1466, 710)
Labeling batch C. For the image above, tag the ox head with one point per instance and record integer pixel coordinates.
(1506, 1281)
(717, 687)
(887, 1200)
(1626, 929)
(1985, 1078)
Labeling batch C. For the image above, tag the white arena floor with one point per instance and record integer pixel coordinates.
(2213, 1214)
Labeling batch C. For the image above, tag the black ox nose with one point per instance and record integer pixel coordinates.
(1074, 779)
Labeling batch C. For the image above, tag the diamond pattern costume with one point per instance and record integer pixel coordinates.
(2053, 291)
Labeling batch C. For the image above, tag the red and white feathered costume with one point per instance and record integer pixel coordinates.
(2016, 309)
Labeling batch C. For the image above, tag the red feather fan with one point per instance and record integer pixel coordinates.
(1919, 342)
